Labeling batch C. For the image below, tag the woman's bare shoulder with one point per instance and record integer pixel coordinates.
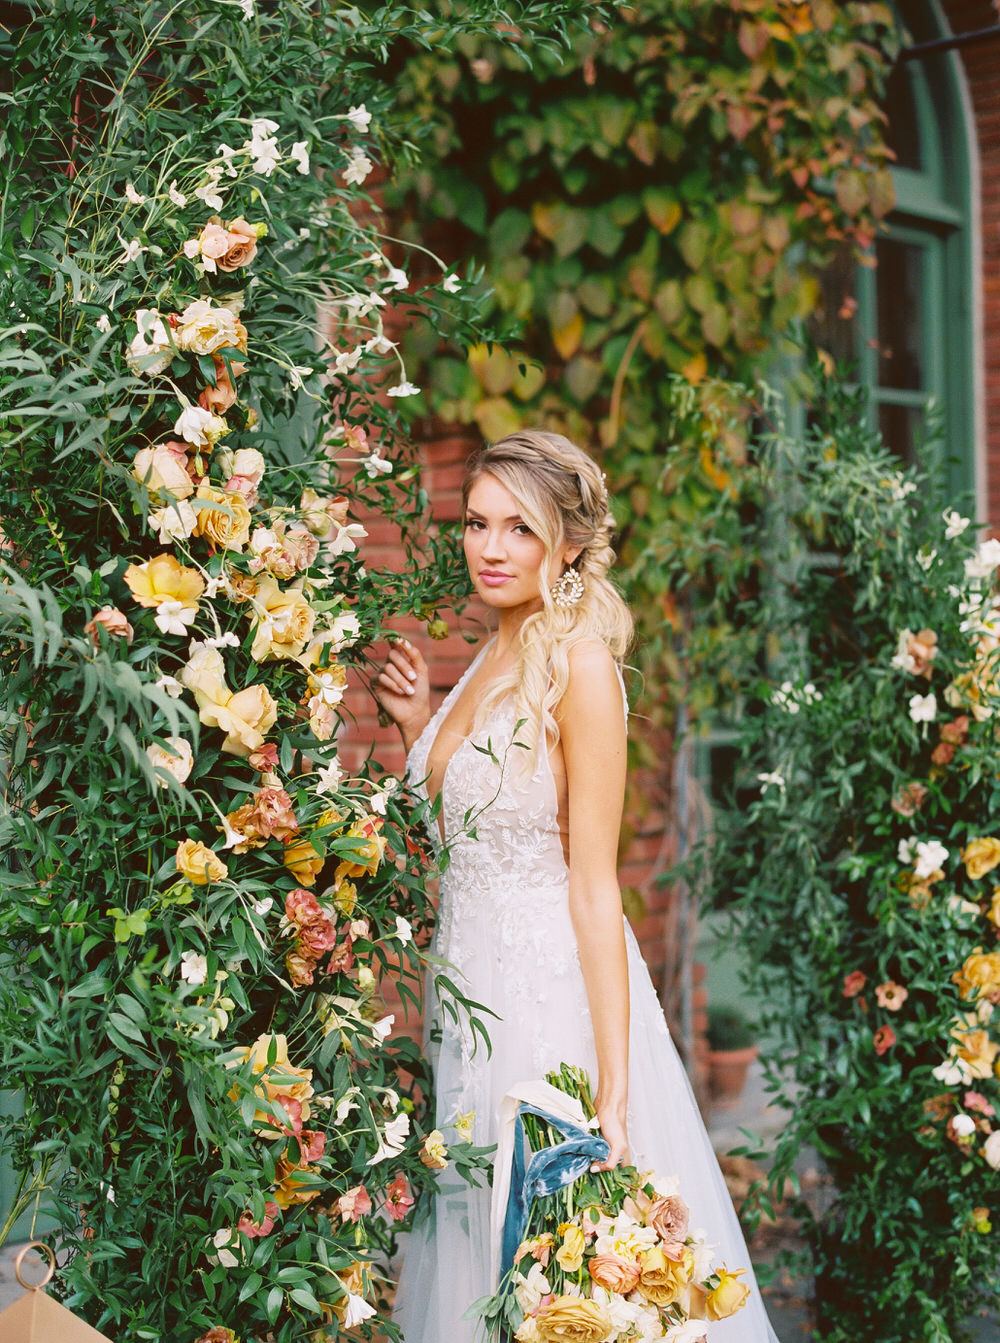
(593, 678)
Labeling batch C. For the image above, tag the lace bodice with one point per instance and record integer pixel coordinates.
(501, 826)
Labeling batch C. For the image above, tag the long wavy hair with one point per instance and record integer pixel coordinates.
(561, 495)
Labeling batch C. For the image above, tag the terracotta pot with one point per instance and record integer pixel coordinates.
(727, 1072)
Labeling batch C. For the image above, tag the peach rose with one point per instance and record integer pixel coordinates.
(220, 396)
(278, 1081)
(977, 1051)
(163, 470)
(200, 865)
(245, 717)
(355, 1204)
(614, 1274)
(296, 1182)
(111, 619)
(854, 983)
(242, 245)
(910, 799)
(223, 519)
(304, 861)
(669, 1218)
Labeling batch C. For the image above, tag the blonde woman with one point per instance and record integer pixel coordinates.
(530, 910)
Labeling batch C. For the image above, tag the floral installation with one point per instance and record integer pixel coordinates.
(206, 901)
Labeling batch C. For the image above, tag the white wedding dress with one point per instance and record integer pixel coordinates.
(504, 924)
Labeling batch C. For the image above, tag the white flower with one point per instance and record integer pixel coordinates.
(173, 617)
(221, 1240)
(954, 523)
(247, 7)
(379, 344)
(704, 1255)
(131, 250)
(358, 167)
(343, 542)
(262, 127)
(531, 1287)
(227, 153)
(397, 279)
(393, 1138)
(985, 560)
(376, 465)
(328, 778)
(900, 487)
(231, 836)
(295, 375)
(192, 423)
(451, 284)
(262, 907)
(348, 360)
(991, 1149)
(962, 1125)
(931, 854)
(300, 156)
(103, 323)
(689, 1331)
(404, 931)
(194, 967)
(953, 1072)
(358, 1309)
(903, 658)
(926, 557)
(174, 522)
(177, 759)
(359, 117)
(923, 708)
(956, 905)
(171, 686)
(346, 1104)
(361, 304)
(176, 195)
(132, 196)
(382, 1027)
(774, 777)
(209, 193)
(265, 157)
(403, 388)
(904, 851)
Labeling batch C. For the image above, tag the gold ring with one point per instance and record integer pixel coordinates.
(50, 1272)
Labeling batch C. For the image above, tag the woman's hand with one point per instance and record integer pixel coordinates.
(612, 1118)
(403, 689)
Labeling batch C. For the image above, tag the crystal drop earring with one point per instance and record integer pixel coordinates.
(568, 588)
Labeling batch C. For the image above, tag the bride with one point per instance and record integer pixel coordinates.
(527, 756)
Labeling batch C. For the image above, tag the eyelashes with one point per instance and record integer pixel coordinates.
(519, 527)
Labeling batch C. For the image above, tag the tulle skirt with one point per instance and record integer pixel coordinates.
(526, 968)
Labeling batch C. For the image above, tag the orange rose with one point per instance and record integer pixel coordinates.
(614, 1274)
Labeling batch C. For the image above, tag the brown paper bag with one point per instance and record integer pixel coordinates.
(37, 1318)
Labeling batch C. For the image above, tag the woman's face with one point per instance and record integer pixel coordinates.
(504, 555)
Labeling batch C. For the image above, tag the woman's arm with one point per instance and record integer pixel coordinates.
(592, 728)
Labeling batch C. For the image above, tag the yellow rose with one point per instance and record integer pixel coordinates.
(278, 1081)
(433, 1152)
(283, 621)
(981, 856)
(245, 717)
(198, 863)
(572, 1319)
(979, 977)
(164, 579)
(372, 850)
(661, 1280)
(226, 523)
(993, 913)
(345, 897)
(163, 470)
(977, 1051)
(569, 1256)
(303, 861)
(203, 328)
(727, 1298)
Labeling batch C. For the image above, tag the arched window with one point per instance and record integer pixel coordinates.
(906, 324)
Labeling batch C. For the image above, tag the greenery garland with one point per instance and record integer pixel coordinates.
(197, 394)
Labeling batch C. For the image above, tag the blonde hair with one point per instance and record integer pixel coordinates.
(561, 495)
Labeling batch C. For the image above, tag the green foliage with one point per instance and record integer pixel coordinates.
(858, 861)
(657, 204)
(210, 1096)
(728, 1028)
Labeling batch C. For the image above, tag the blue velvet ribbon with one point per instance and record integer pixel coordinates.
(548, 1170)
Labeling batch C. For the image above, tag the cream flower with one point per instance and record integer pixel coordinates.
(244, 462)
(151, 349)
(358, 167)
(245, 717)
(176, 758)
(283, 621)
(163, 470)
(200, 427)
(223, 518)
(204, 327)
(173, 522)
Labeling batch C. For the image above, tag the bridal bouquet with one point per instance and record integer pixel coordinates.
(592, 1257)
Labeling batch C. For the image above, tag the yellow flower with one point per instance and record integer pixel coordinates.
(662, 1280)
(433, 1153)
(245, 717)
(278, 1081)
(283, 621)
(289, 1189)
(977, 1051)
(981, 856)
(198, 863)
(572, 1319)
(204, 328)
(993, 913)
(463, 1125)
(303, 861)
(569, 1256)
(372, 850)
(979, 977)
(345, 897)
(727, 1298)
(164, 579)
(225, 526)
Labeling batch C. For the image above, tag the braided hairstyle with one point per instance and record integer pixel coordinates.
(562, 495)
